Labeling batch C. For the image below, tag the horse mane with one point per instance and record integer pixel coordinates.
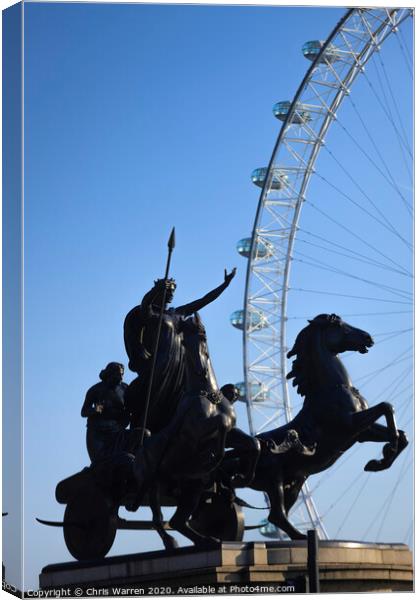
(194, 326)
(303, 349)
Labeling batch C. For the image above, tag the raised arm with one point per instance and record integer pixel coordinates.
(196, 305)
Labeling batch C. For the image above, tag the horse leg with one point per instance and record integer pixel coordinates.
(379, 433)
(169, 542)
(366, 418)
(221, 424)
(249, 446)
(213, 449)
(291, 492)
(190, 497)
(278, 515)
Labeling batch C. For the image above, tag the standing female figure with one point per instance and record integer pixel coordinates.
(106, 412)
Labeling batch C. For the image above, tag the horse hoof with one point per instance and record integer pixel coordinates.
(132, 506)
(374, 466)
(209, 543)
(171, 544)
(402, 441)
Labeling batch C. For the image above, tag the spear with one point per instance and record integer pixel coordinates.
(171, 246)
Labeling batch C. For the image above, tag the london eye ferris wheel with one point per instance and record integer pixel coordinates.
(333, 232)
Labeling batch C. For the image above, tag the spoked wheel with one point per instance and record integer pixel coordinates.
(220, 518)
(333, 234)
(90, 525)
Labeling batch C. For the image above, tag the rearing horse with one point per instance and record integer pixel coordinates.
(333, 418)
(181, 457)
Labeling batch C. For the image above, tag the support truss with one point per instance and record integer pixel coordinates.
(327, 83)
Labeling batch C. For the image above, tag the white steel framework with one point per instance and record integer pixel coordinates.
(359, 35)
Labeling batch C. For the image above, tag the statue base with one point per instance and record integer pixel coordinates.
(239, 567)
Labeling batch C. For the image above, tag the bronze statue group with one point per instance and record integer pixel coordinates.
(171, 433)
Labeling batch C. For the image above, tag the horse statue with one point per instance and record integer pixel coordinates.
(181, 459)
(333, 418)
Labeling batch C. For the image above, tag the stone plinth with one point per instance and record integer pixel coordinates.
(344, 566)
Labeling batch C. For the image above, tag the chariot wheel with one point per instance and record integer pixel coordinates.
(90, 524)
(333, 233)
(220, 518)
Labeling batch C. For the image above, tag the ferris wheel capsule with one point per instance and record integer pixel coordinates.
(256, 319)
(300, 114)
(312, 48)
(258, 392)
(262, 249)
(278, 178)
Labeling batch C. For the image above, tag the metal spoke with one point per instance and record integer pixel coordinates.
(284, 197)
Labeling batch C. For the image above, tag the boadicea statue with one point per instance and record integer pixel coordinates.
(183, 448)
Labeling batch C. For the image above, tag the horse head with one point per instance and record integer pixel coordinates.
(324, 338)
(339, 336)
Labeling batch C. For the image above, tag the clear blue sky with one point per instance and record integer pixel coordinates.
(139, 118)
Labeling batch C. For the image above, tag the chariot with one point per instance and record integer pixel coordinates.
(91, 518)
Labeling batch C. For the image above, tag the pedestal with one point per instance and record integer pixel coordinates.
(344, 567)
